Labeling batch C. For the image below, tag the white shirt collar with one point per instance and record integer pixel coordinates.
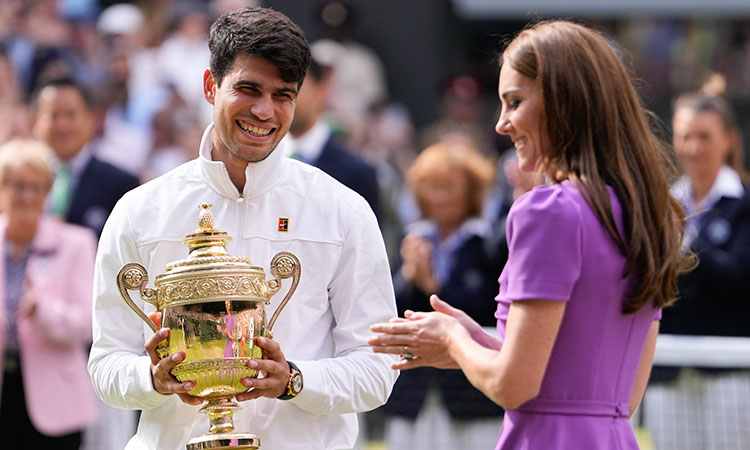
(259, 176)
(727, 184)
(473, 226)
(310, 145)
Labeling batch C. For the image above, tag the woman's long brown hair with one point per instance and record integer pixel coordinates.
(600, 135)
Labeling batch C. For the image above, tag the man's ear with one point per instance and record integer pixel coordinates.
(209, 86)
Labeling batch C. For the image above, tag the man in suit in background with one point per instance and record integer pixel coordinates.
(314, 143)
(86, 188)
(84, 192)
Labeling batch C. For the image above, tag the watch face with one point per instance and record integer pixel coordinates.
(296, 383)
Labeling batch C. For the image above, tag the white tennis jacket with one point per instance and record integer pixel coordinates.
(345, 286)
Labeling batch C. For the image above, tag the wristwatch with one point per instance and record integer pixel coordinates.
(294, 387)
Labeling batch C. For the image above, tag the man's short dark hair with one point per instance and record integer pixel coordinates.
(62, 82)
(259, 32)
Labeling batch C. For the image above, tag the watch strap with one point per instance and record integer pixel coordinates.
(290, 394)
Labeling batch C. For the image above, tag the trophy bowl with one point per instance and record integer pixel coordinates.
(213, 305)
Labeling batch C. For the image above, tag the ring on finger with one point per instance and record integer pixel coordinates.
(407, 355)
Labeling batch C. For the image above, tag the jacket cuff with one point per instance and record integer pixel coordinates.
(150, 398)
(311, 398)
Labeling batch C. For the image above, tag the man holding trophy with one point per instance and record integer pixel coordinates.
(316, 371)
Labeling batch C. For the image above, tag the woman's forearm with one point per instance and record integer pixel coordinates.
(477, 361)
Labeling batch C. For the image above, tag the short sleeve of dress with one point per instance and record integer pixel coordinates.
(544, 233)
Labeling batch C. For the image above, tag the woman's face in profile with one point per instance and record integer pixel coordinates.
(701, 142)
(23, 193)
(520, 117)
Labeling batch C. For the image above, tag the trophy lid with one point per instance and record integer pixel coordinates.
(207, 245)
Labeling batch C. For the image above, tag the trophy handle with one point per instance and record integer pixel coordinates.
(134, 276)
(284, 265)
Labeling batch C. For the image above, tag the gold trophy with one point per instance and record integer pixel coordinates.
(213, 305)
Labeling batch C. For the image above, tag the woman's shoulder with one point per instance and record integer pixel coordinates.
(561, 201)
(59, 230)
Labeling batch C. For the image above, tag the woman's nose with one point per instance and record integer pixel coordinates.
(503, 125)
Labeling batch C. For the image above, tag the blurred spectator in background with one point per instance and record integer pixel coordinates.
(462, 117)
(10, 89)
(45, 312)
(686, 408)
(175, 131)
(358, 81)
(84, 192)
(116, 139)
(135, 33)
(460, 123)
(35, 36)
(445, 253)
(183, 56)
(506, 189)
(390, 146)
(219, 7)
(86, 188)
(123, 117)
(313, 142)
(15, 116)
(519, 181)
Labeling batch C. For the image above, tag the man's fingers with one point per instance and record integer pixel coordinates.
(190, 400)
(388, 349)
(249, 395)
(153, 341)
(394, 327)
(405, 364)
(164, 381)
(260, 384)
(272, 371)
(271, 348)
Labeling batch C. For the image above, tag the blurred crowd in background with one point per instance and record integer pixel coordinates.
(141, 65)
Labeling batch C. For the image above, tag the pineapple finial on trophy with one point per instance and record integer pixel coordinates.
(206, 217)
(206, 240)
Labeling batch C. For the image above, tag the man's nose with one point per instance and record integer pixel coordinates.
(262, 108)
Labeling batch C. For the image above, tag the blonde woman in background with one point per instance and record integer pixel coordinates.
(46, 270)
(446, 252)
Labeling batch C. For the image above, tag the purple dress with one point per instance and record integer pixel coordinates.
(560, 251)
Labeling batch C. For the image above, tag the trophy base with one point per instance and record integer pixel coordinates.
(221, 441)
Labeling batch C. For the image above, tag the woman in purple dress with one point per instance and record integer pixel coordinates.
(593, 257)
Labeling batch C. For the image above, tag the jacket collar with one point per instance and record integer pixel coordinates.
(260, 176)
(310, 145)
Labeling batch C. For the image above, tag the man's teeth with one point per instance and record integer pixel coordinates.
(255, 130)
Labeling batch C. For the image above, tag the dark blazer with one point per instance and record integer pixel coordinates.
(714, 298)
(97, 190)
(351, 170)
(472, 287)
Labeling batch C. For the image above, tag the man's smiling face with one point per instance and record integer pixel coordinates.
(253, 108)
